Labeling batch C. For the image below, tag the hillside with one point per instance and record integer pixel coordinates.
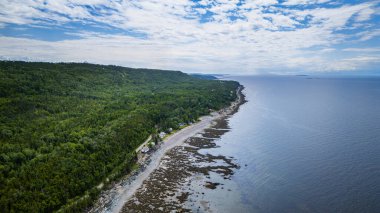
(64, 128)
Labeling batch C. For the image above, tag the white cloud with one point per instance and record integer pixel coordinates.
(361, 49)
(300, 2)
(327, 50)
(260, 3)
(367, 35)
(365, 14)
(176, 38)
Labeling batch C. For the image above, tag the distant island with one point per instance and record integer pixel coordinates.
(69, 128)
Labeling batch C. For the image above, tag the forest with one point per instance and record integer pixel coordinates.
(66, 127)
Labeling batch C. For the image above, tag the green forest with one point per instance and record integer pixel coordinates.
(66, 127)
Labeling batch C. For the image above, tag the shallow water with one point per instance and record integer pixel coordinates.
(303, 145)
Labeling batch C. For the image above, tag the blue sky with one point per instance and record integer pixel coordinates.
(209, 36)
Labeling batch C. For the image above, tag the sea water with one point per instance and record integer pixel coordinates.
(304, 145)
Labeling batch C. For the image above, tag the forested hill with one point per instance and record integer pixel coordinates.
(66, 127)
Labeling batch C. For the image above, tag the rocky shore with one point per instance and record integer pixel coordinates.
(163, 181)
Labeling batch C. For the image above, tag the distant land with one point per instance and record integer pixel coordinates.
(69, 129)
(205, 76)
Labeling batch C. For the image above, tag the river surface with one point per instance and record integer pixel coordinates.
(303, 145)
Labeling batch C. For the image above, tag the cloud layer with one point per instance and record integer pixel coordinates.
(215, 36)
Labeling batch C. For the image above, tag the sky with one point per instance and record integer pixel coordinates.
(197, 36)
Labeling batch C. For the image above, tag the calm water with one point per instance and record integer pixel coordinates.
(304, 145)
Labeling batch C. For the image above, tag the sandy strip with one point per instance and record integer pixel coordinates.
(173, 140)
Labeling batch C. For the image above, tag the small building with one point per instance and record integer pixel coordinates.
(162, 134)
(181, 124)
(145, 149)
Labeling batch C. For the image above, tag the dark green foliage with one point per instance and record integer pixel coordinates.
(66, 127)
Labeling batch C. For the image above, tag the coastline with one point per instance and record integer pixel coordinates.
(113, 200)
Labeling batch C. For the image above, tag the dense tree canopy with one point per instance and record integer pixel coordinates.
(66, 127)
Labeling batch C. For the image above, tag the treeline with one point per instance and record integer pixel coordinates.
(65, 127)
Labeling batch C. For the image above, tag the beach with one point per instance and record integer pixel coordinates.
(122, 196)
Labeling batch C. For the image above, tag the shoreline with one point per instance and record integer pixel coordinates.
(113, 200)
